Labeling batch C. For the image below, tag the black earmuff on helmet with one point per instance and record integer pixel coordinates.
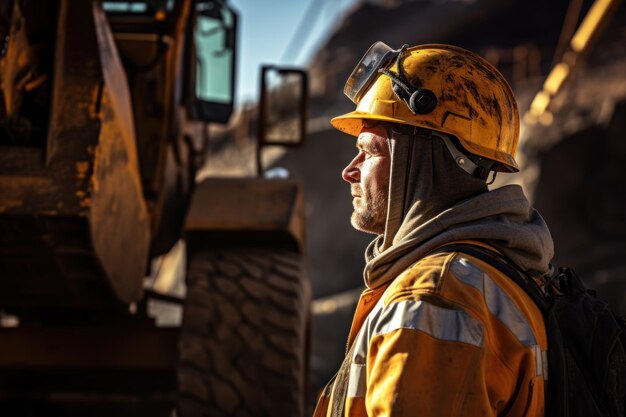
(422, 101)
(418, 100)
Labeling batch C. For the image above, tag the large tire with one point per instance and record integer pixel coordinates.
(243, 339)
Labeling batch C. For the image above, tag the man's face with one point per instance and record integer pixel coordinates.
(368, 176)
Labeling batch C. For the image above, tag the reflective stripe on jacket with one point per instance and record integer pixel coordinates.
(450, 336)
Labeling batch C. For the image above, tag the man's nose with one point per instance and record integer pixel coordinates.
(351, 173)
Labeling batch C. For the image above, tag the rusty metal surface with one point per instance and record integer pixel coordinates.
(182, 140)
(47, 261)
(17, 65)
(121, 370)
(118, 217)
(87, 176)
(248, 205)
(168, 142)
(88, 347)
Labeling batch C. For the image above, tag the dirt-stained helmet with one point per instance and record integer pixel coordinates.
(438, 87)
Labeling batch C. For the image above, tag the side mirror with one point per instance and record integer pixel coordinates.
(283, 106)
(211, 61)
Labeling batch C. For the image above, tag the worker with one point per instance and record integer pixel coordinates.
(439, 332)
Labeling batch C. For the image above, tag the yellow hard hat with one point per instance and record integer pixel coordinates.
(438, 87)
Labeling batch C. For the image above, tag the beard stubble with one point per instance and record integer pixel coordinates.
(370, 211)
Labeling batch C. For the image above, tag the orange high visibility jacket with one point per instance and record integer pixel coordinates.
(450, 336)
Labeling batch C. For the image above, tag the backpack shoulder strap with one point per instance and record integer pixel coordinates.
(506, 266)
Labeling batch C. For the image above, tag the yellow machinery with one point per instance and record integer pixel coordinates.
(104, 107)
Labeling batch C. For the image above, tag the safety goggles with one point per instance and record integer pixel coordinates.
(378, 56)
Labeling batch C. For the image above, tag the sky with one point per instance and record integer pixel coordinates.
(280, 32)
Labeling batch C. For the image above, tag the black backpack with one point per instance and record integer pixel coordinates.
(586, 340)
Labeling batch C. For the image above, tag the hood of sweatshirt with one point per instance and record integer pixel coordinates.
(432, 202)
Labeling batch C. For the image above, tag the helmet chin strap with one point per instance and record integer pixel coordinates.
(465, 163)
(460, 158)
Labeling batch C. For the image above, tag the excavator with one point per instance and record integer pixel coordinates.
(105, 109)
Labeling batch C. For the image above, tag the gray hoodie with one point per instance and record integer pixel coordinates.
(433, 202)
